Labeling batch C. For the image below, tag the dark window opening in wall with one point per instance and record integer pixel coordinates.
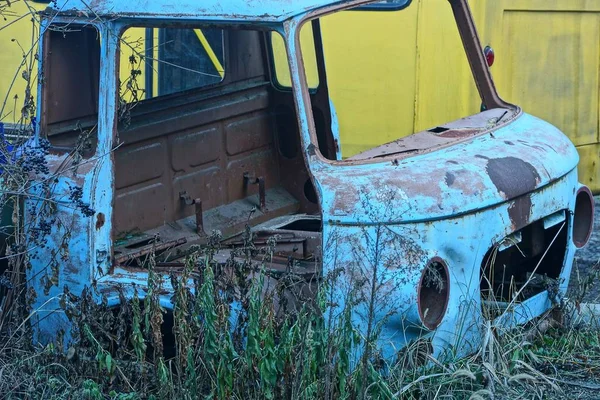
(385, 5)
(71, 65)
(192, 58)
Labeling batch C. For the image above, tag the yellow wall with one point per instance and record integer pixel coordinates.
(18, 36)
(548, 61)
(371, 72)
(394, 73)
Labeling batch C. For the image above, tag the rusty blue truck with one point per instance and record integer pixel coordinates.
(466, 224)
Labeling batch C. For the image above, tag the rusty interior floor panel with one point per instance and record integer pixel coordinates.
(291, 249)
(229, 219)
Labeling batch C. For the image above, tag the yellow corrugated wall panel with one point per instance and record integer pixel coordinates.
(446, 90)
(548, 62)
(371, 64)
(589, 166)
(549, 66)
(16, 38)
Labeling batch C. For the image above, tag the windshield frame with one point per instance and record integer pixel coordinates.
(471, 45)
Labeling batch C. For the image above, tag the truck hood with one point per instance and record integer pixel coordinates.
(492, 168)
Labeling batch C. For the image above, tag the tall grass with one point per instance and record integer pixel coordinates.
(265, 349)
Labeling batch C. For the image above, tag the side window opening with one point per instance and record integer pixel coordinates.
(281, 78)
(189, 58)
(157, 62)
(385, 5)
(281, 66)
(71, 81)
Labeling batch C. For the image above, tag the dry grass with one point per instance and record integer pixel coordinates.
(295, 358)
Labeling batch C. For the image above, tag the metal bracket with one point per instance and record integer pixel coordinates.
(183, 195)
(197, 203)
(260, 181)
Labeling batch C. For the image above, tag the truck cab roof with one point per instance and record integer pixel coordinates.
(206, 10)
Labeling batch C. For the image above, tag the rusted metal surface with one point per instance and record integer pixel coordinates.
(73, 62)
(198, 211)
(151, 248)
(418, 218)
(260, 182)
(439, 137)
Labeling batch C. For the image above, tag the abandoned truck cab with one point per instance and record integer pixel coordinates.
(155, 142)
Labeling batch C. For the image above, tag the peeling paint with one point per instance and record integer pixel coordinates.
(449, 195)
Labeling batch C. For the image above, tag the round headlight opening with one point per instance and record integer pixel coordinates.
(433, 293)
(583, 217)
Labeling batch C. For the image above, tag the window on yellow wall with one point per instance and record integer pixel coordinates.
(161, 61)
(280, 61)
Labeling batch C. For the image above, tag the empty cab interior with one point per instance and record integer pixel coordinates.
(218, 156)
(205, 143)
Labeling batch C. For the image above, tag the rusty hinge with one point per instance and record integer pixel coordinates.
(188, 201)
(260, 181)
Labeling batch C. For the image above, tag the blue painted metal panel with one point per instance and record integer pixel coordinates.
(77, 250)
(383, 221)
(394, 256)
(455, 180)
(208, 10)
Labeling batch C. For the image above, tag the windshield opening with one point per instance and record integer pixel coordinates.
(394, 94)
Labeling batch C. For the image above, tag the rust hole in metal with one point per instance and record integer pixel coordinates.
(438, 129)
(100, 219)
(523, 264)
(287, 131)
(433, 293)
(583, 218)
(141, 242)
(309, 192)
(306, 225)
